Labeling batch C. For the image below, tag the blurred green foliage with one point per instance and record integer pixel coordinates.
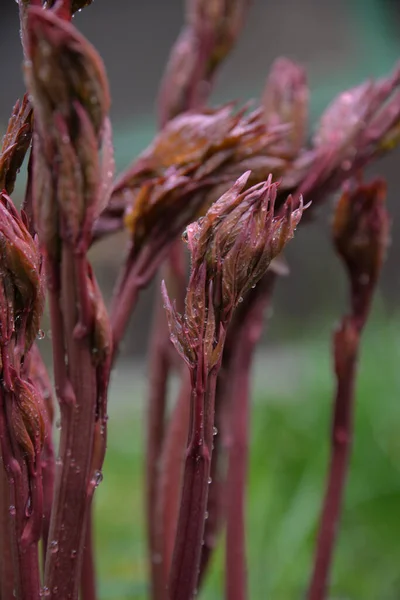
(289, 454)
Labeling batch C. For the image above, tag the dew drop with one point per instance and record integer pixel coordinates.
(58, 424)
(55, 590)
(206, 515)
(97, 478)
(209, 480)
(28, 507)
(240, 299)
(73, 553)
(11, 510)
(40, 334)
(54, 546)
(215, 431)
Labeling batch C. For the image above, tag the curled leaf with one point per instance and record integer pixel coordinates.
(20, 273)
(16, 142)
(189, 165)
(102, 334)
(231, 248)
(27, 418)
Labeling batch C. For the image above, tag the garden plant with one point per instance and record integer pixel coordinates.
(208, 209)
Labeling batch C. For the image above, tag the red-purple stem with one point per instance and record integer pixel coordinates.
(236, 567)
(196, 474)
(161, 358)
(170, 475)
(6, 565)
(342, 429)
(346, 347)
(37, 372)
(88, 580)
(136, 274)
(25, 556)
(235, 492)
(76, 388)
(159, 368)
(247, 322)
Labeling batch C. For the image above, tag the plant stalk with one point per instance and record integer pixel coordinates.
(88, 581)
(196, 474)
(159, 368)
(171, 473)
(360, 233)
(161, 359)
(342, 431)
(25, 556)
(235, 492)
(243, 333)
(6, 568)
(77, 390)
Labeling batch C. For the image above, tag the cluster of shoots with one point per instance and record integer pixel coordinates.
(226, 187)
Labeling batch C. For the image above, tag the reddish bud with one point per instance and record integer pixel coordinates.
(231, 248)
(70, 96)
(63, 68)
(361, 229)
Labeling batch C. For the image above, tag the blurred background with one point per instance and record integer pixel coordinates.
(340, 43)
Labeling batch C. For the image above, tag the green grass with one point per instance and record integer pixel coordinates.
(289, 451)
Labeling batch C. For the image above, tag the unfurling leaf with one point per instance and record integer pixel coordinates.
(20, 276)
(285, 102)
(231, 248)
(193, 160)
(16, 142)
(102, 334)
(28, 419)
